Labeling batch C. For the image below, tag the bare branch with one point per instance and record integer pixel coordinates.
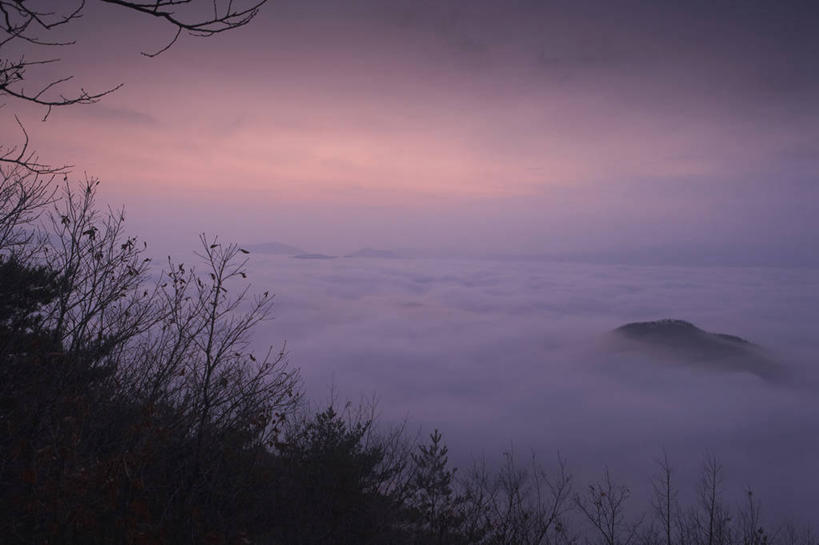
(222, 20)
(604, 506)
(20, 22)
(20, 156)
(166, 47)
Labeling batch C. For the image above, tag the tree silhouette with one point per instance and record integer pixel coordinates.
(437, 509)
(132, 407)
(31, 32)
(329, 486)
(604, 507)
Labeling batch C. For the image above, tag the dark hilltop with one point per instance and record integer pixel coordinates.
(683, 342)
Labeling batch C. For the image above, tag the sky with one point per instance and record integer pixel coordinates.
(665, 132)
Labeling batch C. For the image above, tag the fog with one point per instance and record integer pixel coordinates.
(502, 354)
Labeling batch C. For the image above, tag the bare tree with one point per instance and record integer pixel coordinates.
(103, 301)
(709, 521)
(25, 22)
(519, 505)
(214, 18)
(790, 533)
(24, 195)
(123, 362)
(750, 521)
(664, 497)
(226, 384)
(604, 506)
(145, 402)
(19, 161)
(30, 31)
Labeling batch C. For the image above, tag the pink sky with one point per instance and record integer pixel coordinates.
(486, 129)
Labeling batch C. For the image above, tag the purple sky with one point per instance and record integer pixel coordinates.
(681, 132)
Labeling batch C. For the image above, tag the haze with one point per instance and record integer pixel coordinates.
(479, 127)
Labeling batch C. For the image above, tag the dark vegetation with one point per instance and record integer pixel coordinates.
(686, 343)
(680, 332)
(132, 409)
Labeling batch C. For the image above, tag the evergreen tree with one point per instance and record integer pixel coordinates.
(437, 518)
(328, 485)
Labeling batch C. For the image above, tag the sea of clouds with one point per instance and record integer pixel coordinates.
(512, 354)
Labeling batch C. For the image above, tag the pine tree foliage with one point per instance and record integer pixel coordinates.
(437, 508)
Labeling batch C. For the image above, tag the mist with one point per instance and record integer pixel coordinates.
(502, 354)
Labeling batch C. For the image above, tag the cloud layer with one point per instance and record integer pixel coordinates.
(499, 352)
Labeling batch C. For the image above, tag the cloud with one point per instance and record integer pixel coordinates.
(119, 115)
(494, 352)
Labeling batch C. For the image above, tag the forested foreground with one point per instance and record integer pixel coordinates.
(133, 411)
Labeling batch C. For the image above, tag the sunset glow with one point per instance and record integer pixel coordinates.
(384, 108)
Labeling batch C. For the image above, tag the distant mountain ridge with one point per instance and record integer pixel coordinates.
(686, 343)
(274, 248)
(314, 256)
(280, 248)
(373, 253)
